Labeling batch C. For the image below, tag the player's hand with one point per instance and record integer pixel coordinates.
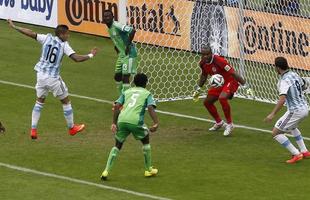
(196, 93)
(114, 128)
(94, 51)
(248, 91)
(2, 129)
(11, 24)
(269, 118)
(154, 128)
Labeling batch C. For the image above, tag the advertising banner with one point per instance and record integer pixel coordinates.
(165, 23)
(39, 12)
(266, 36)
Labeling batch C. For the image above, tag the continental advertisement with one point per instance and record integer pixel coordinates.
(161, 23)
(265, 36)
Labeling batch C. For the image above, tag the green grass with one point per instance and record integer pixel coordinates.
(193, 163)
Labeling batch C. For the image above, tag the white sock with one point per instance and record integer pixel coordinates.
(284, 141)
(299, 140)
(68, 113)
(36, 112)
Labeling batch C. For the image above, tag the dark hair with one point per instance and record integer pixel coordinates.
(61, 29)
(281, 63)
(110, 11)
(140, 80)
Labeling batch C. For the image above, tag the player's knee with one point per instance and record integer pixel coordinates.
(118, 145)
(118, 77)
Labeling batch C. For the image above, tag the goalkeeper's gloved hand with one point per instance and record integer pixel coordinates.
(249, 92)
(196, 93)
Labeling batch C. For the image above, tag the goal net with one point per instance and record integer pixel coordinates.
(250, 34)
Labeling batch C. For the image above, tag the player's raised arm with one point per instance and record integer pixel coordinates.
(24, 31)
(130, 38)
(82, 58)
(151, 110)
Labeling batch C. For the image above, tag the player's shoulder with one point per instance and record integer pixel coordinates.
(218, 58)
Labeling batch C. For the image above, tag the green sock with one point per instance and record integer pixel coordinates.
(147, 156)
(119, 87)
(126, 86)
(113, 153)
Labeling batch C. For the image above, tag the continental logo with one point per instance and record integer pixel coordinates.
(78, 11)
(275, 38)
(152, 19)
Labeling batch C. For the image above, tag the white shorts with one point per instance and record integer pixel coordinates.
(291, 119)
(46, 84)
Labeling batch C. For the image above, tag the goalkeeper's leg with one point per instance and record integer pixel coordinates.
(209, 104)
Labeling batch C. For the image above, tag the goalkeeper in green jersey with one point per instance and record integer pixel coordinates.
(126, 63)
(130, 119)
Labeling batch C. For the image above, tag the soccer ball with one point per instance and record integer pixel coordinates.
(216, 80)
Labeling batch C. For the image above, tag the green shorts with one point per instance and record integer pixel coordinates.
(126, 65)
(124, 129)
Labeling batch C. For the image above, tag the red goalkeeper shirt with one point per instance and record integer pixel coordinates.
(218, 65)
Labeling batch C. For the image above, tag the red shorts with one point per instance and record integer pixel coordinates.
(229, 87)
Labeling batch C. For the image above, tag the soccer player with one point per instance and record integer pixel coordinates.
(2, 129)
(47, 69)
(211, 64)
(122, 36)
(130, 119)
(290, 87)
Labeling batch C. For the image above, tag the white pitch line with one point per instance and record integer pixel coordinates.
(159, 111)
(74, 180)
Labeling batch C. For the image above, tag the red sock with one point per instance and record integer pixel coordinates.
(213, 111)
(226, 109)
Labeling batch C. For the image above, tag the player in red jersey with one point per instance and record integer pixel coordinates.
(211, 64)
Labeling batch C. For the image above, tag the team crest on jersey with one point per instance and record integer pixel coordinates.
(227, 68)
(214, 69)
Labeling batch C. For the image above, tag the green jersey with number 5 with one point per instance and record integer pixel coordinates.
(135, 100)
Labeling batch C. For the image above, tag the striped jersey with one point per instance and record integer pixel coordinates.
(53, 49)
(291, 84)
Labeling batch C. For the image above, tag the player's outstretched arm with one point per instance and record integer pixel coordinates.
(154, 117)
(202, 81)
(82, 58)
(24, 31)
(276, 109)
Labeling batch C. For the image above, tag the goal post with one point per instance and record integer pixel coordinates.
(250, 34)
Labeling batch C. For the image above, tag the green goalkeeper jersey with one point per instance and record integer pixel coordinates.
(119, 34)
(134, 101)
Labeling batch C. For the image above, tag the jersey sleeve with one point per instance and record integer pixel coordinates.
(41, 38)
(222, 63)
(68, 50)
(150, 101)
(284, 86)
(123, 27)
(121, 99)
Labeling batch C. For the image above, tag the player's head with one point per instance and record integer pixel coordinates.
(206, 54)
(140, 80)
(281, 64)
(108, 16)
(62, 31)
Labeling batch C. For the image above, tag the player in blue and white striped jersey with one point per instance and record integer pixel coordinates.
(291, 87)
(48, 78)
